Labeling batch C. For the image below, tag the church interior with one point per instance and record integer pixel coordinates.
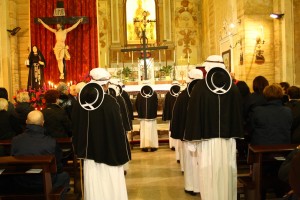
(152, 41)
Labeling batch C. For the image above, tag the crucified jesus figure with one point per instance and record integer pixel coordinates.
(61, 49)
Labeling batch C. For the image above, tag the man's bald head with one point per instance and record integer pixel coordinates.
(35, 117)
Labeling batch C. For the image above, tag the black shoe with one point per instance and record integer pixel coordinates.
(153, 149)
(190, 192)
(178, 161)
(173, 148)
(145, 149)
(125, 172)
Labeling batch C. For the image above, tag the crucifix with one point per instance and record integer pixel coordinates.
(60, 49)
(144, 42)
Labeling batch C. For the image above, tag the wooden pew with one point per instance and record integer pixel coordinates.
(64, 143)
(14, 165)
(258, 154)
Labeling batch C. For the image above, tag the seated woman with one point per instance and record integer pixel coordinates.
(57, 122)
(271, 123)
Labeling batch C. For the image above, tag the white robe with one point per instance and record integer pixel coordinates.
(217, 169)
(148, 133)
(179, 153)
(103, 182)
(191, 170)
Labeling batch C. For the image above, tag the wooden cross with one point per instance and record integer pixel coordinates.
(144, 42)
(59, 17)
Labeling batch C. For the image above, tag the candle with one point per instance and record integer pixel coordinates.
(159, 56)
(188, 57)
(132, 58)
(105, 59)
(117, 58)
(49, 83)
(70, 82)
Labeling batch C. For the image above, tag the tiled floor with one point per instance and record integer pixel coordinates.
(155, 176)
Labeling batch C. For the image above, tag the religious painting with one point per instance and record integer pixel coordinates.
(140, 14)
(227, 59)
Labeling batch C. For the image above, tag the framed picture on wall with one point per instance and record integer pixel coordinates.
(227, 59)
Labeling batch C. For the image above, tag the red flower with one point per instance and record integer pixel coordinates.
(33, 99)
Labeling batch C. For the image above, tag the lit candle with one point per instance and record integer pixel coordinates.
(132, 58)
(49, 83)
(117, 58)
(70, 82)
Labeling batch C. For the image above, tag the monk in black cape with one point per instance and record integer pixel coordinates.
(100, 140)
(214, 117)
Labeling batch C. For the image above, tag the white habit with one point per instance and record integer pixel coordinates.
(148, 133)
(217, 169)
(103, 182)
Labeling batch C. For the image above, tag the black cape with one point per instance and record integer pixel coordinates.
(179, 115)
(203, 114)
(127, 123)
(146, 107)
(99, 134)
(169, 102)
(126, 97)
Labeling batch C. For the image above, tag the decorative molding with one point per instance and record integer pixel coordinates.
(115, 28)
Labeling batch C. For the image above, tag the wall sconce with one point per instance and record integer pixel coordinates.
(276, 16)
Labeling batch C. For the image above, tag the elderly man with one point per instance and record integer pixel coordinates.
(214, 117)
(100, 139)
(33, 141)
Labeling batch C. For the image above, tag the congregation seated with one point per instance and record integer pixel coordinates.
(33, 141)
(65, 98)
(57, 122)
(271, 125)
(22, 108)
(285, 86)
(6, 124)
(256, 98)
(293, 93)
(294, 176)
(4, 94)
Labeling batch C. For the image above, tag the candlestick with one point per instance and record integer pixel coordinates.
(174, 56)
(132, 57)
(117, 58)
(159, 56)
